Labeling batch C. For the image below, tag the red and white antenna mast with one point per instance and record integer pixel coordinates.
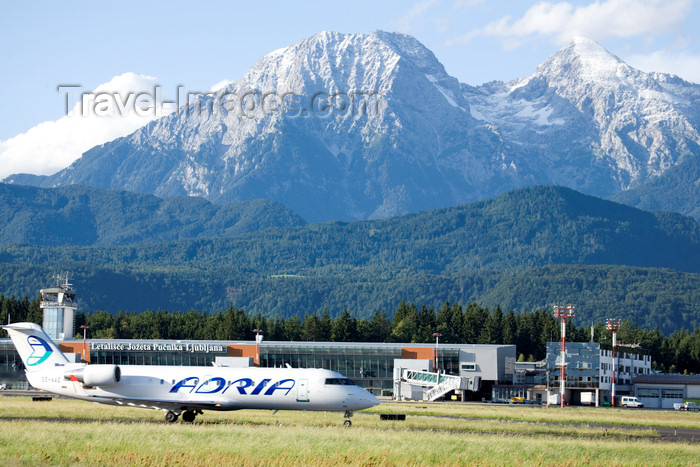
(563, 312)
(613, 325)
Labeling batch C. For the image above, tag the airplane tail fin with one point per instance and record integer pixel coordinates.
(35, 348)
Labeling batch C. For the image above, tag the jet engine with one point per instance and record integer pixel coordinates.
(97, 375)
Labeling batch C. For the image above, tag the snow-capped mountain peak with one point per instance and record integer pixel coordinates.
(586, 61)
(620, 120)
(371, 125)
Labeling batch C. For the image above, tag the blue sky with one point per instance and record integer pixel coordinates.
(46, 44)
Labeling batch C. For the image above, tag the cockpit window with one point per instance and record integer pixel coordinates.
(340, 381)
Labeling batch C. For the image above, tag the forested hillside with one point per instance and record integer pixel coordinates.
(526, 249)
(530, 227)
(80, 215)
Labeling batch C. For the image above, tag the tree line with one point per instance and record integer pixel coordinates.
(470, 324)
(650, 297)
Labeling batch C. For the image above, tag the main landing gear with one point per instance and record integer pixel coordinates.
(188, 416)
(347, 422)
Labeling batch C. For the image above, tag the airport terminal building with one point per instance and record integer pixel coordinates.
(371, 365)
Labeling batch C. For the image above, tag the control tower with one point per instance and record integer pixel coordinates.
(59, 309)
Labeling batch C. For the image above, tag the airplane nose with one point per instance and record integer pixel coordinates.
(359, 399)
(366, 400)
(372, 399)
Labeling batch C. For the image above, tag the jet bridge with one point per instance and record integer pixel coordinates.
(436, 385)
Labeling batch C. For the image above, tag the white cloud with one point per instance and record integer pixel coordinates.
(685, 65)
(434, 16)
(113, 109)
(220, 85)
(407, 23)
(598, 20)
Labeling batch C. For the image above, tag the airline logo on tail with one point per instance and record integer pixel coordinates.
(34, 347)
(41, 350)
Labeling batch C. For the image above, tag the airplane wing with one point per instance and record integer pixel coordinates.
(165, 404)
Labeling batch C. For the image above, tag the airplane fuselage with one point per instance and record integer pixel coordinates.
(213, 388)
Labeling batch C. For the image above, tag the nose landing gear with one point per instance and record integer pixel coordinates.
(347, 421)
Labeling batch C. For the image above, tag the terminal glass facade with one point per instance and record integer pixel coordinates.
(11, 367)
(369, 365)
(156, 352)
(142, 357)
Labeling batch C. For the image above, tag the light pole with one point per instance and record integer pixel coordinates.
(437, 342)
(84, 327)
(258, 340)
(563, 312)
(613, 325)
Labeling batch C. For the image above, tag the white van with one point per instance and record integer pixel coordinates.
(629, 401)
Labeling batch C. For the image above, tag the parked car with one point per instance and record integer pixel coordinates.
(630, 401)
(690, 406)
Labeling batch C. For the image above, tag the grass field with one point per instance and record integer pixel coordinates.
(91, 434)
(586, 415)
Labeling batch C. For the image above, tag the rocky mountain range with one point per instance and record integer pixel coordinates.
(587, 119)
(355, 126)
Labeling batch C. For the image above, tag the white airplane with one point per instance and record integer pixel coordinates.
(184, 390)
